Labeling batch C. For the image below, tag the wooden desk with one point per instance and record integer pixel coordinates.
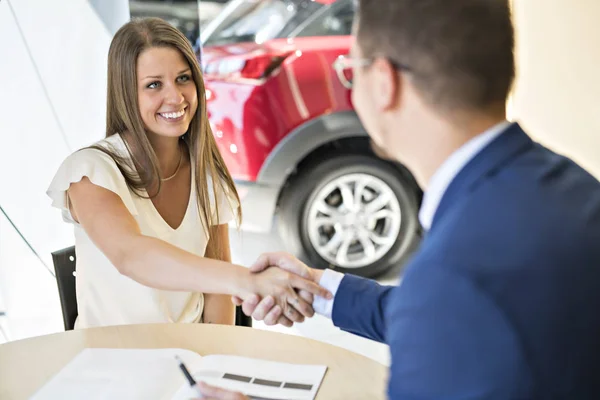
(25, 365)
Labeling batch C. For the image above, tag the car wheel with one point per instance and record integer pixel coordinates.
(353, 213)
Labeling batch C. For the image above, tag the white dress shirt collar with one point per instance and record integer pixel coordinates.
(450, 168)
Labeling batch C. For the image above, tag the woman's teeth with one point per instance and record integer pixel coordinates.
(173, 114)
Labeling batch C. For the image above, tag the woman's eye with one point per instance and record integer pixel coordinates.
(184, 78)
(153, 85)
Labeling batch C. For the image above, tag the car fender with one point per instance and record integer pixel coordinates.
(304, 139)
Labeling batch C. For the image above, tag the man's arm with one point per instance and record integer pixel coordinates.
(359, 307)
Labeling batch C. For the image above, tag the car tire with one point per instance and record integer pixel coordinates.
(300, 196)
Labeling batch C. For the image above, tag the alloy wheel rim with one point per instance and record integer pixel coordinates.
(354, 220)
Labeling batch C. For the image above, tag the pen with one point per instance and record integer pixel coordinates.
(192, 381)
(188, 376)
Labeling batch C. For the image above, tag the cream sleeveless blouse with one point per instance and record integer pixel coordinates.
(104, 296)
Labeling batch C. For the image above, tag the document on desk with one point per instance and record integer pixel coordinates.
(100, 373)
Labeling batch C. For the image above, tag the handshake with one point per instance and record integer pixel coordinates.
(283, 290)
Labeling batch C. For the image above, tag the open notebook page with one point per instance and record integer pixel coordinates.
(101, 373)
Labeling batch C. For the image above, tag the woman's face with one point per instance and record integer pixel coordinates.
(167, 94)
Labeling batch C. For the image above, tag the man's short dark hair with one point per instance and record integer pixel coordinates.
(459, 52)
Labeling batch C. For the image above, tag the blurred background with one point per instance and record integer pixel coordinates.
(283, 121)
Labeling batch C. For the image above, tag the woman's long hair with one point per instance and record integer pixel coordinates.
(123, 115)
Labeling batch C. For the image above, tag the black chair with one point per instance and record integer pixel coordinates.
(242, 319)
(64, 267)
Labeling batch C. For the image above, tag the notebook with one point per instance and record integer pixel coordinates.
(100, 373)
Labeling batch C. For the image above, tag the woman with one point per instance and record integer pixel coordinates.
(150, 203)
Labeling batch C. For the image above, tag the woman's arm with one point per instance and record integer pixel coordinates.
(147, 260)
(218, 308)
(158, 264)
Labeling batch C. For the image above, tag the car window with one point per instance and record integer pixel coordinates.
(304, 11)
(259, 21)
(333, 20)
(183, 15)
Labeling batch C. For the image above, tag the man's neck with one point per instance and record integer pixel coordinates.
(442, 138)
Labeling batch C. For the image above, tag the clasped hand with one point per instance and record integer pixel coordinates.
(286, 290)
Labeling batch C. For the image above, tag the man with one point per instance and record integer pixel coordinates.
(502, 299)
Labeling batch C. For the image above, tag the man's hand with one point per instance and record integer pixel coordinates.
(215, 393)
(284, 286)
(266, 309)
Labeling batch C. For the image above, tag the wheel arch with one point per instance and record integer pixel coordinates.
(333, 133)
(304, 140)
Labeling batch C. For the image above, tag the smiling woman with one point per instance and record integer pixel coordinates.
(168, 99)
(151, 202)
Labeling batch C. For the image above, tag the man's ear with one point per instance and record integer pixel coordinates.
(385, 84)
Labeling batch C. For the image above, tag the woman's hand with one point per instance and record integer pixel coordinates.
(263, 309)
(215, 393)
(283, 287)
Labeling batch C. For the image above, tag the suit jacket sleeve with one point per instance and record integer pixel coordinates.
(359, 307)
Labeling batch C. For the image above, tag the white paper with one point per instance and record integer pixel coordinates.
(154, 374)
(119, 374)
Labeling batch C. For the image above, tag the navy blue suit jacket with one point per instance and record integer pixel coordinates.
(502, 299)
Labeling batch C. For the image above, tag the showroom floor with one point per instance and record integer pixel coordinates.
(246, 247)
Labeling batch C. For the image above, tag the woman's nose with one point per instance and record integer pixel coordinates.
(174, 95)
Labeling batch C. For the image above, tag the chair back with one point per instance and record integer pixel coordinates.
(242, 319)
(64, 267)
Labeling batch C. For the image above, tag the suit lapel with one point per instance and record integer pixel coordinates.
(491, 158)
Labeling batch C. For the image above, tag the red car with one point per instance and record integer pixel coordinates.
(285, 125)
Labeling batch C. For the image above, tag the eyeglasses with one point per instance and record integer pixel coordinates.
(343, 66)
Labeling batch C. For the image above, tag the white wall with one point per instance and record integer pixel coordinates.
(52, 102)
(557, 93)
